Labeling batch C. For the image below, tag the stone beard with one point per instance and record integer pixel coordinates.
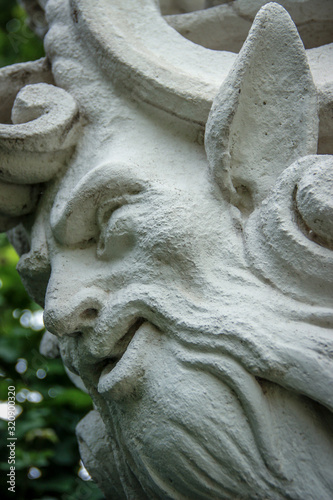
(198, 425)
(183, 256)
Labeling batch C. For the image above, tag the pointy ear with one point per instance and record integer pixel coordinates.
(265, 114)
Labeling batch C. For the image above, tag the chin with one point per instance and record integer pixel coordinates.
(179, 427)
(172, 427)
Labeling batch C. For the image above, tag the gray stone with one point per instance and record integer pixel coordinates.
(182, 243)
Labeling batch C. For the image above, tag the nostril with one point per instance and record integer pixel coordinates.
(90, 313)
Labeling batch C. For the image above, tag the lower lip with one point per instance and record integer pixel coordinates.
(119, 378)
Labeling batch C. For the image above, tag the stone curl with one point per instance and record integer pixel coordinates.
(289, 237)
(38, 142)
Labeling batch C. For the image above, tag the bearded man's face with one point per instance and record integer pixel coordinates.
(139, 269)
(158, 311)
(179, 295)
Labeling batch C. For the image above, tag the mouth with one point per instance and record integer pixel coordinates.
(106, 367)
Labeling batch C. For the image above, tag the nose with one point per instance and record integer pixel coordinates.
(73, 313)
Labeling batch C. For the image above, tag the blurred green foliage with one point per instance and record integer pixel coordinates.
(47, 457)
(17, 42)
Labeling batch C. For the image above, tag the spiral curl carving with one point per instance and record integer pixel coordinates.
(289, 237)
(42, 137)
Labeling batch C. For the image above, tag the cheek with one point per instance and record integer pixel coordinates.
(174, 254)
(117, 239)
(161, 236)
(168, 239)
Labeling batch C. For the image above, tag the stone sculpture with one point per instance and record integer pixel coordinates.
(173, 208)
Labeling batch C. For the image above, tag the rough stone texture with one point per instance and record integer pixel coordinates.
(182, 243)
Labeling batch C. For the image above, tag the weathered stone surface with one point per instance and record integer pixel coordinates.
(183, 246)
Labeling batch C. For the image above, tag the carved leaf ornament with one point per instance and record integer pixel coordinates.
(173, 207)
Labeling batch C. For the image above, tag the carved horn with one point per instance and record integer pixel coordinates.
(256, 127)
(158, 65)
(149, 58)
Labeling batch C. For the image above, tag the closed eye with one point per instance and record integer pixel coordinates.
(117, 230)
(91, 204)
(106, 210)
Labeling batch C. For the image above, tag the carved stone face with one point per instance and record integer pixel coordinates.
(134, 243)
(190, 287)
(159, 312)
(148, 263)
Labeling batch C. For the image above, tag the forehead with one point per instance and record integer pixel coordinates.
(153, 142)
(134, 156)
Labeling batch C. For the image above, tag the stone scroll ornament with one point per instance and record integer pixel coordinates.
(173, 207)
